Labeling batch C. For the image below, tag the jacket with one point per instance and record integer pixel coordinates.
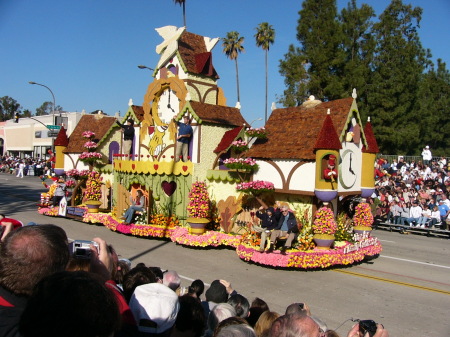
(269, 222)
(291, 222)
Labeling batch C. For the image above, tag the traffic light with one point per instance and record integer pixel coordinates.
(16, 117)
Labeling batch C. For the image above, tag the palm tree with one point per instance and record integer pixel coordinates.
(265, 36)
(182, 2)
(232, 46)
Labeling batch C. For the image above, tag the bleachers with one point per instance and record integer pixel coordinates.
(405, 229)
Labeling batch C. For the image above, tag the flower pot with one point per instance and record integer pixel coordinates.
(197, 225)
(323, 241)
(93, 206)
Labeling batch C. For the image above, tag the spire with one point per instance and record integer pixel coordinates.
(327, 138)
(372, 145)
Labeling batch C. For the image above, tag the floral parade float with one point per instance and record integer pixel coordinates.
(237, 167)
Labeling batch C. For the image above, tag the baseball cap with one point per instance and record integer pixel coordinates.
(155, 307)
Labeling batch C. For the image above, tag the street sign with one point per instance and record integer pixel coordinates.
(52, 133)
(53, 127)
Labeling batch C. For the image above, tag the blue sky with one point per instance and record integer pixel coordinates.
(87, 51)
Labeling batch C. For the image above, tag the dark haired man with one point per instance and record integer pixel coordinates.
(27, 255)
(128, 135)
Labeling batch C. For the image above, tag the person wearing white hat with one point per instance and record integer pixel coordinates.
(426, 155)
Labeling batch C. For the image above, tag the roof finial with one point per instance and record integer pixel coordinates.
(368, 119)
(238, 105)
(130, 102)
(328, 111)
(354, 95)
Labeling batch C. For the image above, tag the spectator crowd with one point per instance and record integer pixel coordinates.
(50, 287)
(412, 193)
(25, 166)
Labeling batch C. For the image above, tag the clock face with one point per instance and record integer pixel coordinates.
(347, 171)
(168, 106)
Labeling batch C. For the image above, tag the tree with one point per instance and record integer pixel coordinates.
(265, 36)
(399, 62)
(320, 35)
(27, 113)
(358, 45)
(44, 109)
(182, 3)
(8, 107)
(295, 78)
(232, 46)
(434, 105)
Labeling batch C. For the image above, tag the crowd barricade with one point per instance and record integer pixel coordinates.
(406, 229)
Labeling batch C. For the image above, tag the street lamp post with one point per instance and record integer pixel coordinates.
(53, 112)
(253, 121)
(145, 67)
(54, 101)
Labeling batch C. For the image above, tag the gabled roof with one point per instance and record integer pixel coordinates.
(138, 112)
(195, 56)
(328, 138)
(217, 114)
(372, 145)
(99, 124)
(228, 138)
(62, 139)
(292, 133)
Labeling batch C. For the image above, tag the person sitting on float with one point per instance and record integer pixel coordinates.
(269, 221)
(330, 173)
(287, 226)
(137, 205)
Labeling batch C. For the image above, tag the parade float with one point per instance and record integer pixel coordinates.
(303, 158)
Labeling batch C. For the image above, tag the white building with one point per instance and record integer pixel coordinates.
(33, 136)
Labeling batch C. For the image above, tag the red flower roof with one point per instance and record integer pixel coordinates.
(227, 139)
(372, 145)
(328, 138)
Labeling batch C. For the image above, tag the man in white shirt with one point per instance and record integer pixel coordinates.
(20, 171)
(415, 212)
(426, 155)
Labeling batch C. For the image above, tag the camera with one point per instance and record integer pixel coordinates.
(82, 248)
(367, 326)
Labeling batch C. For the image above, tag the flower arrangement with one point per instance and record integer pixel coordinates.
(324, 222)
(255, 187)
(199, 203)
(70, 183)
(90, 156)
(247, 164)
(260, 133)
(93, 187)
(363, 215)
(343, 232)
(239, 145)
(77, 174)
(88, 134)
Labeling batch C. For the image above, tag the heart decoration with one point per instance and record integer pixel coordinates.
(184, 168)
(120, 165)
(133, 166)
(169, 187)
(155, 166)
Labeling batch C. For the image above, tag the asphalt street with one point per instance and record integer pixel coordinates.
(407, 288)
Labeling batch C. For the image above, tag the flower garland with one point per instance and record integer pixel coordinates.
(255, 187)
(93, 186)
(260, 133)
(181, 236)
(324, 222)
(199, 203)
(311, 259)
(247, 164)
(363, 215)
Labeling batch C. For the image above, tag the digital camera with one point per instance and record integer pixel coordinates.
(367, 326)
(82, 248)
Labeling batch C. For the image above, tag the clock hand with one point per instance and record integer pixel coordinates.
(168, 105)
(350, 166)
